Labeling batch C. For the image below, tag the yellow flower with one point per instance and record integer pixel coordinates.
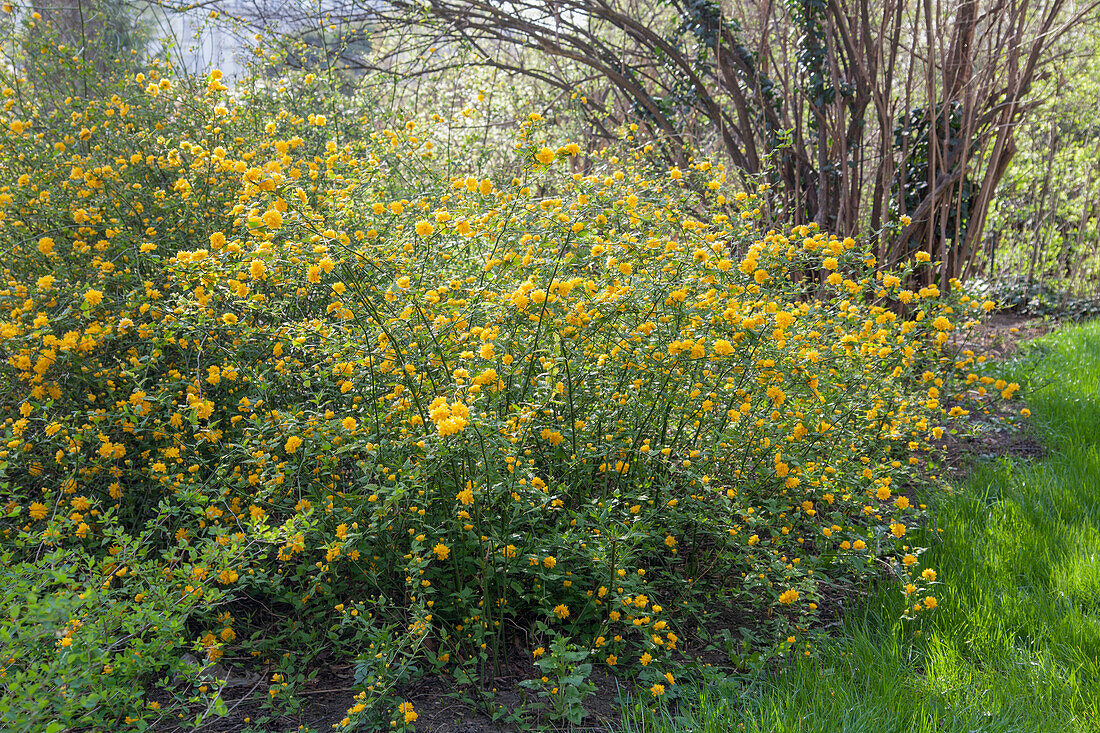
(406, 709)
(93, 297)
(929, 575)
(441, 551)
(561, 611)
(38, 510)
(549, 562)
(545, 156)
(292, 444)
(930, 602)
(272, 219)
(449, 419)
(349, 423)
(675, 174)
(424, 228)
(788, 597)
(552, 436)
(45, 246)
(657, 689)
(897, 529)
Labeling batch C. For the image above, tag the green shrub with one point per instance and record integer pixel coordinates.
(325, 395)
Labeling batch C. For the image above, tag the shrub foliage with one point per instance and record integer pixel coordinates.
(276, 378)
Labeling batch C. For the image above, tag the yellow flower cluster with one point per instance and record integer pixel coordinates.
(449, 418)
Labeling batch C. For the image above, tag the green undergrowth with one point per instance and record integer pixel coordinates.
(1014, 644)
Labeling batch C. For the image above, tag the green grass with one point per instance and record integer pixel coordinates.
(1015, 642)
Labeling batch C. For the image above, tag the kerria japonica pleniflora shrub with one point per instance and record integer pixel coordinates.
(274, 384)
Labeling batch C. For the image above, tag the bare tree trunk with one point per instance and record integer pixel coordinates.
(694, 70)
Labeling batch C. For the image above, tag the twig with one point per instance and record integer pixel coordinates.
(322, 692)
(246, 696)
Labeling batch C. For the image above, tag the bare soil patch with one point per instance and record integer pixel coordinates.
(1002, 333)
(994, 430)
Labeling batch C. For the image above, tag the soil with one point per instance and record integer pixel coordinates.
(324, 701)
(994, 430)
(441, 706)
(444, 707)
(1000, 335)
(452, 711)
(990, 435)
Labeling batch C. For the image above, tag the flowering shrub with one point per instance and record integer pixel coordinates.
(280, 366)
